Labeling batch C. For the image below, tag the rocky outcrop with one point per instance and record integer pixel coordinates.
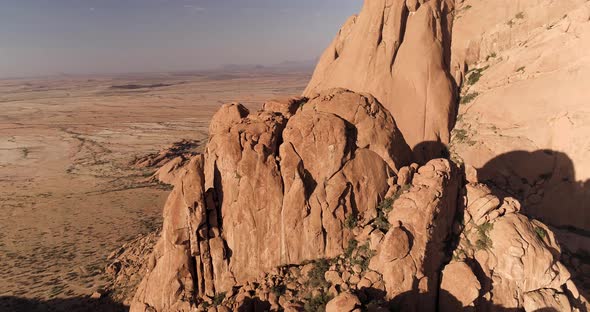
(412, 252)
(345, 302)
(167, 162)
(272, 190)
(513, 261)
(399, 52)
(169, 283)
(318, 202)
(524, 115)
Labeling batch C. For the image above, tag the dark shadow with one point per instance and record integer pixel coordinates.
(254, 305)
(413, 301)
(545, 183)
(429, 150)
(78, 304)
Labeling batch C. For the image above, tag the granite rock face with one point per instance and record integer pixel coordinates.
(344, 199)
(398, 51)
(270, 191)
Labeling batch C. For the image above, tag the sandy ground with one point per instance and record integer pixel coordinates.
(68, 195)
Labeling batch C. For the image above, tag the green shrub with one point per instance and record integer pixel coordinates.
(351, 221)
(484, 241)
(468, 98)
(475, 74)
(317, 303)
(363, 257)
(541, 232)
(383, 209)
(352, 244)
(218, 298)
(460, 135)
(316, 275)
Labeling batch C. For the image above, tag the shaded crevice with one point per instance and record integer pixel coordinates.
(403, 24)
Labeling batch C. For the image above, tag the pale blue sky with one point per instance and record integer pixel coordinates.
(41, 37)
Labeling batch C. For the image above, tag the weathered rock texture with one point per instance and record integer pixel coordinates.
(412, 252)
(287, 212)
(511, 260)
(169, 284)
(318, 201)
(398, 51)
(524, 113)
(271, 191)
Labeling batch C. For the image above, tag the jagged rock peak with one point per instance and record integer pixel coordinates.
(398, 51)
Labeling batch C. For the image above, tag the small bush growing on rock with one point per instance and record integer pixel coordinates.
(352, 244)
(218, 298)
(386, 205)
(316, 275)
(484, 241)
(468, 98)
(541, 232)
(363, 256)
(383, 209)
(475, 75)
(317, 303)
(460, 135)
(351, 221)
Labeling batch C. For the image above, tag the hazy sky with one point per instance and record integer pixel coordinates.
(39, 37)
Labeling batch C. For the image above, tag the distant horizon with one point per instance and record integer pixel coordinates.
(220, 68)
(46, 38)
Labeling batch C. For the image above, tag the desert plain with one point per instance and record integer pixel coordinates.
(69, 194)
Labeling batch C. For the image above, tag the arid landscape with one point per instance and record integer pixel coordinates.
(70, 194)
(436, 159)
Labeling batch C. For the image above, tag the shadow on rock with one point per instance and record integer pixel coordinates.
(77, 304)
(545, 183)
(254, 305)
(374, 300)
(429, 150)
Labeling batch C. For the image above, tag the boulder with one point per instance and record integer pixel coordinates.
(459, 285)
(345, 302)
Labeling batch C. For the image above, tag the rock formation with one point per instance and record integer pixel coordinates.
(513, 261)
(524, 115)
(341, 200)
(289, 211)
(399, 52)
(270, 191)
